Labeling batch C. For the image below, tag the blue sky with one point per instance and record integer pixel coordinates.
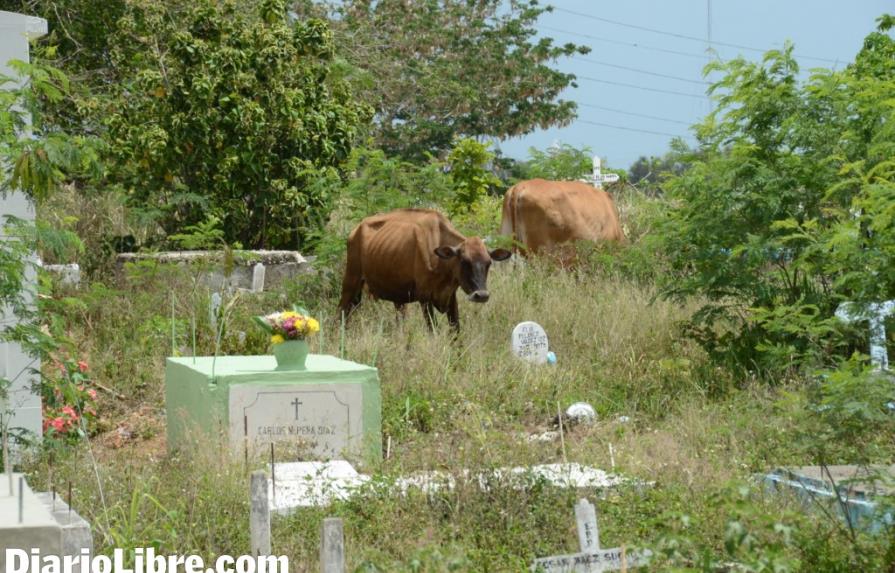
(821, 29)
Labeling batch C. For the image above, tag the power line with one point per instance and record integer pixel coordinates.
(640, 71)
(635, 86)
(609, 125)
(681, 36)
(629, 44)
(631, 113)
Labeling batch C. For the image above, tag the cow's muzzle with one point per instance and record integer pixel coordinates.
(479, 296)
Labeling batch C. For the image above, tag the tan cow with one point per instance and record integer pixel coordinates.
(416, 255)
(541, 215)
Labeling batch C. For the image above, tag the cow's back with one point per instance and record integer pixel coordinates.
(396, 251)
(540, 214)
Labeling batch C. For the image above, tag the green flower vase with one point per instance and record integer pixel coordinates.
(291, 355)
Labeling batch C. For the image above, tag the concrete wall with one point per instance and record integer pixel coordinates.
(24, 404)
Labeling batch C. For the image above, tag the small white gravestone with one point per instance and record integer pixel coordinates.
(258, 277)
(598, 176)
(530, 342)
(591, 559)
(876, 313)
(214, 307)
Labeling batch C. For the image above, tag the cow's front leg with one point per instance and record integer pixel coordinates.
(429, 314)
(453, 313)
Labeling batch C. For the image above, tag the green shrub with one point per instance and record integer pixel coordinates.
(785, 209)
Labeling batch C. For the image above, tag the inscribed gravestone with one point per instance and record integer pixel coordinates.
(325, 419)
(590, 559)
(530, 342)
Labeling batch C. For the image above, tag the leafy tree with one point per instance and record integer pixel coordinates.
(785, 210)
(649, 172)
(37, 165)
(228, 113)
(468, 162)
(441, 69)
(562, 162)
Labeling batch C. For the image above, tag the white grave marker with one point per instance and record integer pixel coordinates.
(599, 178)
(214, 307)
(530, 342)
(591, 559)
(258, 277)
(877, 314)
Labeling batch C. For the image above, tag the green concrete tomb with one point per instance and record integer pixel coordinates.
(331, 410)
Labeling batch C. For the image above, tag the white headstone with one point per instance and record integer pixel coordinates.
(258, 277)
(214, 307)
(320, 419)
(586, 519)
(876, 313)
(15, 365)
(530, 342)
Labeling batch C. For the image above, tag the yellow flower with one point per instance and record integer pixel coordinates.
(288, 314)
(277, 338)
(313, 326)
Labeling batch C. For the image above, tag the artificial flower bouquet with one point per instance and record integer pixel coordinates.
(295, 324)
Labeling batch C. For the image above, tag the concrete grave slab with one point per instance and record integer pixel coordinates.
(46, 526)
(315, 484)
(332, 410)
(858, 489)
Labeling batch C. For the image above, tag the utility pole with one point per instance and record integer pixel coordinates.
(708, 29)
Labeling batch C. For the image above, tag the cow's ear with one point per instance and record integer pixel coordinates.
(447, 252)
(500, 254)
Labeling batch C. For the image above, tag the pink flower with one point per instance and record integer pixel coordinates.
(82, 366)
(68, 410)
(58, 424)
(92, 393)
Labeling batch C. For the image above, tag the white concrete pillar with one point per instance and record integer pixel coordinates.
(23, 400)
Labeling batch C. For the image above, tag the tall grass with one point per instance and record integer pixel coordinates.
(448, 404)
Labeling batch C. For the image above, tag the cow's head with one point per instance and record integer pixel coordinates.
(473, 262)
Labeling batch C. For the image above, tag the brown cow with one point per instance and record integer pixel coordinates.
(542, 214)
(416, 255)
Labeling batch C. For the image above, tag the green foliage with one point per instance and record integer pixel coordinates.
(471, 180)
(846, 417)
(436, 71)
(37, 165)
(236, 118)
(558, 163)
(373, 183)
(648, 173)
(204, 235)
(785, 209)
